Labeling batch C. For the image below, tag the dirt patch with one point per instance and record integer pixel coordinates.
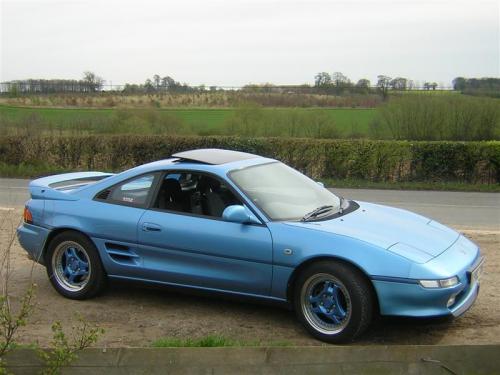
(135, 315)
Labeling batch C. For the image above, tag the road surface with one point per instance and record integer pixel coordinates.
(458, 209)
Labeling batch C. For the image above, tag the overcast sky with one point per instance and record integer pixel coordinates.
(234, 42)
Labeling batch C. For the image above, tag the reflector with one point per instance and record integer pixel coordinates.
(28, 218)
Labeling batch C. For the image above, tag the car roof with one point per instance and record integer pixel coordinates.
(229, 160)
(214, 156)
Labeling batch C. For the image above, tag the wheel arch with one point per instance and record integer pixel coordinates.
(53, 233)
(302, 266)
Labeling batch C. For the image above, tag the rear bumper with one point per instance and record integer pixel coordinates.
(32, 239)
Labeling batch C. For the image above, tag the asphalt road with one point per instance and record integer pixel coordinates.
(458, 209)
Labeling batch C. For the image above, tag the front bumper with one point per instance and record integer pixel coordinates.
(406, 297)
(32, 239)
(413, 300)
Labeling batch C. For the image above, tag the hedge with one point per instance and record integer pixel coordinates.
(392, 161)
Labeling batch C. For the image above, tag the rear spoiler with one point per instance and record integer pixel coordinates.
(59, 187)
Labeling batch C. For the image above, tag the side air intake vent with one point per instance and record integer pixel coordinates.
(103, 195)
(121, 253)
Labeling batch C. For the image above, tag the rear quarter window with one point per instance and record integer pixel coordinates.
(133, 192)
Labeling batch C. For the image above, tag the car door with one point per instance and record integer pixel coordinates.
(112, 218)
(188, 244)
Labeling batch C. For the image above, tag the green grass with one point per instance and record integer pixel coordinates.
(210, 341)
(411, 185)
(212, 118)
(27, 170)
(201, 121)
(345, 119)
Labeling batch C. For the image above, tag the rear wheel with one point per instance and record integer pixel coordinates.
(334, 301)
(74, 267)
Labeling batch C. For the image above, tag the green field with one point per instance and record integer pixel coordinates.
(449, 117)
(202, 121)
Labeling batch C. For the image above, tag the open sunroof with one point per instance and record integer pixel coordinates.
(214, 156)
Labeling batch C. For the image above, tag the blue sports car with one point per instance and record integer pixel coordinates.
(241, 224)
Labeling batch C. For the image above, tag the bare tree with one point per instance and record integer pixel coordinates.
(363, 83)
(383, 85)
(399, 83)
(340, 80)
(93, 81)
(322, 79)
(157, 81)
(169, 84)
(148, 86)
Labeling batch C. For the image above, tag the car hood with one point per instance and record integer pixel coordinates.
(405, 233)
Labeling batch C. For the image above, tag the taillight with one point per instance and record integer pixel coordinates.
(28, 218)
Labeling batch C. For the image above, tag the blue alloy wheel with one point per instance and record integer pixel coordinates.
(326, 304)
(71, 266)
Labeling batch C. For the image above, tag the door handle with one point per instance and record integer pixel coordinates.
(151, 227)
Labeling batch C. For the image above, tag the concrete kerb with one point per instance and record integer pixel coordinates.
(376, 359)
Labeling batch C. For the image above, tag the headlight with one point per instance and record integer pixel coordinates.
(445, 283)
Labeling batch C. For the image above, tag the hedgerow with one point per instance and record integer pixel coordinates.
(391, 161)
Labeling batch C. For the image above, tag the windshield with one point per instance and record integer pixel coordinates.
(282, 192)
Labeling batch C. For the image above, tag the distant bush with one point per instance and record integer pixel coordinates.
(199, 99)
(451, 117)
(392, 161)
(145, 121)
(252, 121)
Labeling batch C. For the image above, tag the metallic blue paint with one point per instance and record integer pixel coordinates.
(394, 248)
(239, 214)
(75, 265)
(327, 303)
(206, 252)
(32, 238)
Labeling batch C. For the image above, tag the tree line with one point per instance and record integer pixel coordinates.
(90, 83)
(338, 83)
(159, 84)
(478, 86)
(335, 83)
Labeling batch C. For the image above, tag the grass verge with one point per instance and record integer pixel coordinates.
(26, 170)
(210, 342)
(411, 185)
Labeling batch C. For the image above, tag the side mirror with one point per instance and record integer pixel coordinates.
(320, 184)
(239, 214)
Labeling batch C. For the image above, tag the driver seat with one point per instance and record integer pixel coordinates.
(211, 201)
(170, 196)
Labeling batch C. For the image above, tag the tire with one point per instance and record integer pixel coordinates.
(74, 267)
(334, 301)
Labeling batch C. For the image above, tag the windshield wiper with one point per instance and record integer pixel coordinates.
(316, 212)
(341, 203)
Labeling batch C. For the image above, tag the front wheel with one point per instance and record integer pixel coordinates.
(74, 266)
(334, 301)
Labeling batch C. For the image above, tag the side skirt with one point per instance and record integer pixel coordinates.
(244, 297)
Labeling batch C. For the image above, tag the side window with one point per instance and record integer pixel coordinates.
(194, 193)
(133, 192)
